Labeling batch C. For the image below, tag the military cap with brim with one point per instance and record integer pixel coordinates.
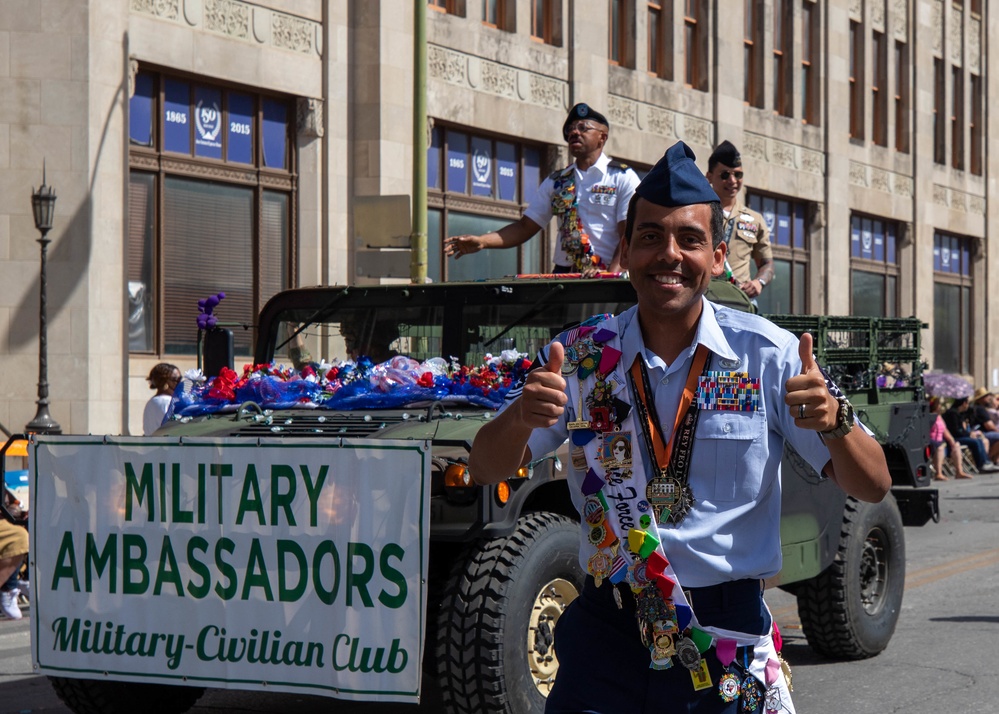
(582, 111)
(676, 181)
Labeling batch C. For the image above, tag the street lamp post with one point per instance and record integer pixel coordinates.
(43, 206)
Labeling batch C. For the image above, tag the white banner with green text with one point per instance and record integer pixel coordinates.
(274, 564)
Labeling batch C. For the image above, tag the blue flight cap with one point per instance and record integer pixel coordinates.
(676, 180)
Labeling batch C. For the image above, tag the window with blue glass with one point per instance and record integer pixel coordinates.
(210, 122)
(476, 184)
(953, 286)
(785, 218)
(874, 268)
(211, 201)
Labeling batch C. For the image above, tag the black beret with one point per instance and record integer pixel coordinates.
(725, 153)
(582, 111)
(676, 180)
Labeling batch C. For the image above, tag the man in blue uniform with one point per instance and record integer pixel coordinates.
(678, 539)
(589, 198)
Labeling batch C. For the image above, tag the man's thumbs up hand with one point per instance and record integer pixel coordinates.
(556, 356)
(543, 399)
(805, 353)
(806, 395)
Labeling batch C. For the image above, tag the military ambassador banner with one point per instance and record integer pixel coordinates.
(230, 563)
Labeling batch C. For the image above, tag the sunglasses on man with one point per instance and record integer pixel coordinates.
(725, 175)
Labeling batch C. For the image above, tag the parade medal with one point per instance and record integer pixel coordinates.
(580, 422)
(600, 419)
(637, 577)
(750, 694)
(663, 494)
(700, 676)
(686, 652)
(569, 367)
(728, 687)
(785, 668)
(663, 646)
(578, 457)
(593, 510)
(599, 566)
(773, 701)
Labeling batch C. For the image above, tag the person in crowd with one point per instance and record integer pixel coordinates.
(942, 443)
(589, 198)
(957, 420)
(364, 336)
(164, 378)
(13, 549)
(672, 616)
(981, 418)
(745, 231)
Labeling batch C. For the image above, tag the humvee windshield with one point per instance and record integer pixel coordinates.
(467, 332)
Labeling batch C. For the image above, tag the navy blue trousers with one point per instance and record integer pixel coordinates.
(604, 667)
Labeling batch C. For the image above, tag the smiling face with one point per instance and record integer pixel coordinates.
(670, 260)
(724, 181)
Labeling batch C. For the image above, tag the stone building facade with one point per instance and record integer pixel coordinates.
(199, 146)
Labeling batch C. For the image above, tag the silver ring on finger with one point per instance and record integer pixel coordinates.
(801, 411)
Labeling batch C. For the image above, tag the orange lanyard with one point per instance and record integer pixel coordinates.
(654, 429)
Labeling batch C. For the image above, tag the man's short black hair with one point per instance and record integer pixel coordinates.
(717, 221)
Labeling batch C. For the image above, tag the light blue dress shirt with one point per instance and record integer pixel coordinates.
(733, 528)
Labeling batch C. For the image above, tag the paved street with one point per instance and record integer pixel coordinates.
(941, 658)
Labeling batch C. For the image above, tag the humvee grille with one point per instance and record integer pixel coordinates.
(326, 424)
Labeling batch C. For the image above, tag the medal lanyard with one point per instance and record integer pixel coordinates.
(652, 427)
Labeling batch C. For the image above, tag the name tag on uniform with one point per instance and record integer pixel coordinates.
(728, 391)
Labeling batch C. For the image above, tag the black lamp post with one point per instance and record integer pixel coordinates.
(43, 206)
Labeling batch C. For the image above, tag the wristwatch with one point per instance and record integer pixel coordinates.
(844, 420)
(762, 282)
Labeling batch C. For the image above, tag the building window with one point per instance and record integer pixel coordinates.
(621, 31)
(753, 53)
(478, 184)
(873, 267)
(785, 218)
(975, 128)
(694, 45)
(856, 80)
(957, 119)
(902, 97)
(661, 39)
(952, 289)
(211, 198)
(783, 32)
(810, 18)
(939, 112)
(879, 89)
(546, 21)
(451, 7)
(501, 14)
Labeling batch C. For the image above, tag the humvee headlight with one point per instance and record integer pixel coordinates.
(502, 492)
(457, 476)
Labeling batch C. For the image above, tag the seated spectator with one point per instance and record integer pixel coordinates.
(982, 419)
(941, 441)
(957, 420)
(13, 548)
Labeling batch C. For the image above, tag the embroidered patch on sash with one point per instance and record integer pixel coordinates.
(728, 391)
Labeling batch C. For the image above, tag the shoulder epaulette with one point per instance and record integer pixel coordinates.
(615, 164)
(559, 173)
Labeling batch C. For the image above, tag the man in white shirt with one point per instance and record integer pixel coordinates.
(589, 198)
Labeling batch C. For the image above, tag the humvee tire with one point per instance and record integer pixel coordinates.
(104, 696)
(497, 620)
(849, 611)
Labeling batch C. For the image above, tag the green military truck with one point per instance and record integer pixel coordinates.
(502, 560)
